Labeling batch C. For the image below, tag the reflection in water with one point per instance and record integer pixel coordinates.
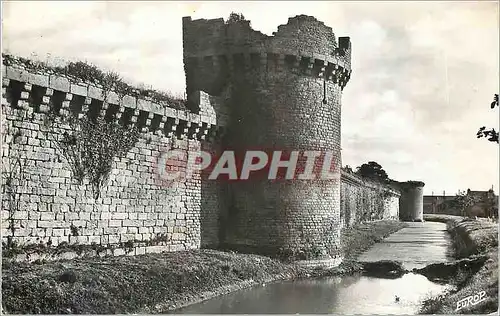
(415, 246)
(344, 295)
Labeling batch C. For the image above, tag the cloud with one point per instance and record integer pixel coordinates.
(423, 73)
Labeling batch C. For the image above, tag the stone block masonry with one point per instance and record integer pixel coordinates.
(135, 207)
(364, 200)
(411, 203)
(283, 92)
(246, 91)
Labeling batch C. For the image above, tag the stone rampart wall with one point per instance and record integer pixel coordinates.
(137, 210)
(363, 200)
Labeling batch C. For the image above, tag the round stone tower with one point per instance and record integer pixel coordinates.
(282, 92)
(411, 203)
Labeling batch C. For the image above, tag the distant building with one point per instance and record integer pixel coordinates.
(486, 205)
(443, 204)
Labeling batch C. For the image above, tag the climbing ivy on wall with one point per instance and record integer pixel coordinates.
(90, 147)
(14, 183)
(372, 205)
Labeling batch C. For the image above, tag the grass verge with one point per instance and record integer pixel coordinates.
(471, 239)
(156, 283)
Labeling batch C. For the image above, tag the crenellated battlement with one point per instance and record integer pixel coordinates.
(214, 50)
(301, 36)
(43, 92)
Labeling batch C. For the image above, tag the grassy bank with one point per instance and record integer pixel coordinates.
(156, 282)
(148, 283)
(471, 238)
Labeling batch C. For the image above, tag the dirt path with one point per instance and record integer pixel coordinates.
(415, 246)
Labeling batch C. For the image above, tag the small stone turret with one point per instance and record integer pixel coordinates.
(411, 203)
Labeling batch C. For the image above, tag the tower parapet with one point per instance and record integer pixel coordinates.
(214, 50)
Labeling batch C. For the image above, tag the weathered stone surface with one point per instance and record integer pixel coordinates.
(194, 118)
(112, 97)
(95, 93)
(59, 83)
(364, 200)
(182, 115)
(17, 74)
(79, 89)
(411, 204)
(157, 108)
(39, 80)
(129, 102)
(171, 112)
(144, 105)
(268, 105)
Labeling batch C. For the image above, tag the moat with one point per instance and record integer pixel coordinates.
(415, 246)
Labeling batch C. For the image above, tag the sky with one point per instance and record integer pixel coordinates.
(424, 73)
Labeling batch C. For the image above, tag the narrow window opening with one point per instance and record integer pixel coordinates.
(324, 91)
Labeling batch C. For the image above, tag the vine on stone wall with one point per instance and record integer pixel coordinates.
(91, 146)
(331, 239)
(13, 185)
(113, 81)
(379, 205)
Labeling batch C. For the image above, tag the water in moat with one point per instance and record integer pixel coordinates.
(415, 246)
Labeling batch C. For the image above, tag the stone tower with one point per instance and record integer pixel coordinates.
(282, 92)
(411, 203)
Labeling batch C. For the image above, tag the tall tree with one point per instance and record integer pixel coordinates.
(235, 17)
(372, 170)
(463, 200)
(491, 203)
(491, 133)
